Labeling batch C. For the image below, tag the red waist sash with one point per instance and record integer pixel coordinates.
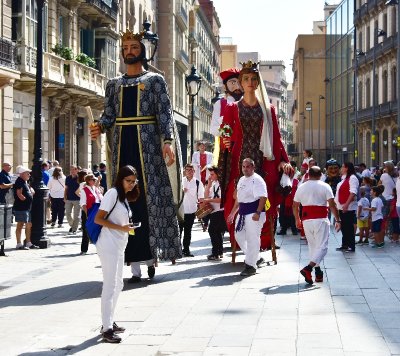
(314, 212)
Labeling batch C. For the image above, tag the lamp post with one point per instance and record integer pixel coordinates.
(359, 53)
(193, 84)
(38, 211)
(217, 96)
(309, 109)
(393, 3)
(321, 97)
(150, 41)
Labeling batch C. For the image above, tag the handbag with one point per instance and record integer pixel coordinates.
(204, 210)
(93, 230)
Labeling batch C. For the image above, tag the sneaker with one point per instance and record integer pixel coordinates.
(319, 277)
(72, 232)
(381, 245)
(151, 271)
(111, 337)
(83, 253)
(213, 258)
(359, 242)
(21, 247)
(349, 249)
(31, 246)
(365, 242)
(306, 273)
(260, 262)
(118, 329)
(248, 271)
(134, 279)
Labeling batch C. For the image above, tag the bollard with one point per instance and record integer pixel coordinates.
(5, 225)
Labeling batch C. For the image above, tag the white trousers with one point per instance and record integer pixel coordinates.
(317, 232)
(135, 267)
(249, 238)
(112, 263)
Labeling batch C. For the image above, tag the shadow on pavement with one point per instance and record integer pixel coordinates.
(66, 350)
(56, 295)
(289, 289)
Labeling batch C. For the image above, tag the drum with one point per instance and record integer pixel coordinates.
(204, 210)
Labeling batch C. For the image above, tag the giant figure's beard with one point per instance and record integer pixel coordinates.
(134, 59)
(237, 94)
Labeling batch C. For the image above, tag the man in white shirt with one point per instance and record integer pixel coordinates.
(314, 196)
(252, 195)
(194, 192)
(365, 172)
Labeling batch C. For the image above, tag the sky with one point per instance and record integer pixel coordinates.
(269, 27)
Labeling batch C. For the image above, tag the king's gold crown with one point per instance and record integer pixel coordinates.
(128, 35)
(250, 64)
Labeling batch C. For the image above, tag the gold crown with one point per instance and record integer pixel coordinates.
(250, 65)
(128, 35)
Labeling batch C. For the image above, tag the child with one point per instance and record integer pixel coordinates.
(377, 217)
(362, 217)
(394, 218)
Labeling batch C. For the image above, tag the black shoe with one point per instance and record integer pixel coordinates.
(118, 329)
(70, 230)
(282, 232)
(248, 271)
(294, 233)
(213, 258)
(53, 224)
(341, 248)
(111, 337)
(134, 279)
(187, 254)
(151, 271)
(260, 262)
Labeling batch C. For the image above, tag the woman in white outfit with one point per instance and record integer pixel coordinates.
(111, 245)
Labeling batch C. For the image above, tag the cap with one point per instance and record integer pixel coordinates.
(332, 162)
(229, 73)
(22, 169)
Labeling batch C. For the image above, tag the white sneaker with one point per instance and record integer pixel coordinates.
(21, 247)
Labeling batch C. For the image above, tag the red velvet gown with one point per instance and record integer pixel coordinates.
(246, 123)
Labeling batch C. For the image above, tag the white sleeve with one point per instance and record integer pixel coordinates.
(210, 159)
(109, 200)
(260, 188)
(200, 194)
(216, 119)
(353, 184)
(82, 200)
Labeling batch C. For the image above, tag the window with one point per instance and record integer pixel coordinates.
(394, 85)
(385, 87)
(360, 96)
(63, 27)
(368, 93)
(368, 39)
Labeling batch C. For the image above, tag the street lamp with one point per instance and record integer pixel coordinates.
(193, 84)
(217, 96)
(359, 53)
(321, 97)
(393, 3)
(38, 235)
(150, 41)
(309, 109)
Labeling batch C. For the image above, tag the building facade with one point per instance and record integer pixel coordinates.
(376, 78)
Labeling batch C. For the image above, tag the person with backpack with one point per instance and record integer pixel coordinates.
(194, 193)
(346, 202)
(89, 196)
(56, 187)
(115, 217)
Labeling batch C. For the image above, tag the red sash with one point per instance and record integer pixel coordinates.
(344, 191)
(314, 212)
(203, 163)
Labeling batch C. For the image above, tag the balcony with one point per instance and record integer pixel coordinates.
(182, 16)
(182, 59)
(7, 50)
(26, 59)
(80, 78)
(53, 68)
(104, 10)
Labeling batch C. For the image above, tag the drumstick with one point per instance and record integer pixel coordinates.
(92, 123)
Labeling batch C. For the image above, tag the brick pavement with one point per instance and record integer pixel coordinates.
(49, 304)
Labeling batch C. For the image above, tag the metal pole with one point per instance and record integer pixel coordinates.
(398, 80)
(311, 132)
(38, 211)
(319, 130)
(355, 94)
(192, 129)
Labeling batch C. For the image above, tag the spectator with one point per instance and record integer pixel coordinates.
(103, 173)
(23, 197)
(194, 192)
(56, 187)
(377, 218)
(72, 199)
(89, 196)
(394, 218)
(365, 172)
(54, 164)
(112, 243)
(307, 155)
(5, 181)
(95, 170)
(363, 217)
(201, 161)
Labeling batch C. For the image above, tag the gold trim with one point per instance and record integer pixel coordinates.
(152, 122)
(142, 161)
(138, 100)
(120, 100)
(119, 119)
(119, 150)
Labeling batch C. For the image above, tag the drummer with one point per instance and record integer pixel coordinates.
(217, 226)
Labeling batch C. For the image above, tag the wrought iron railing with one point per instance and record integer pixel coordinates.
(7, 53)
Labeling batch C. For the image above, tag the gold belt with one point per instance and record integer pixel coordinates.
(136, 120)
